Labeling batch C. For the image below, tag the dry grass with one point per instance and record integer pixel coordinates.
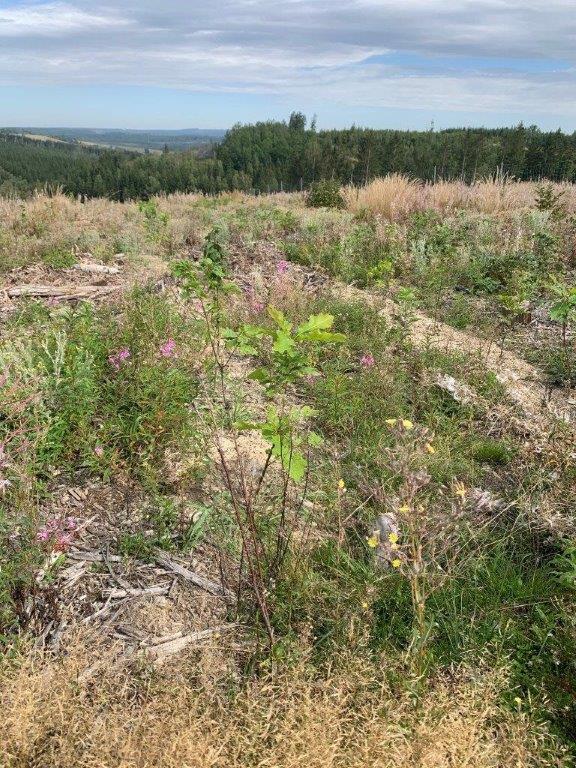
(32, 231)
(396, 196)
(195, 716)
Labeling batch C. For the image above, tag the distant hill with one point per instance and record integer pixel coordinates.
(119, 138)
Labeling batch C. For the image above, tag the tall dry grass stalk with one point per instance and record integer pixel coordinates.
(396, 196)
(192, 715)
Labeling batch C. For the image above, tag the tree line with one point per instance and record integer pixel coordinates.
(276, 155)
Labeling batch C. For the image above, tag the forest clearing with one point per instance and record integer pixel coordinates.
(289, 480)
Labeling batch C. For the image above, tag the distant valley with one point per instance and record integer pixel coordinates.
(119, 138)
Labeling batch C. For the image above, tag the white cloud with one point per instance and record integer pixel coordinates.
(468, 55)
(52, 19)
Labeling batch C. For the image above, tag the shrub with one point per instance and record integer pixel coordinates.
(325, 194)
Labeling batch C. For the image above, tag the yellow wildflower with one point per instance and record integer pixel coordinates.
(460, 490)
(404, 508)
(430, 448)
(364, 605)
(407, 424)
(373, 541)
(396, 563)
(517, 700)
(391, 422)
(341, 485)
(393, 538)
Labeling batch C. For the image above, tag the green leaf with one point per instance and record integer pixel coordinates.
(260, 374)
(315, 440)
(279, 318)
(246, 425)
(320, 322)
(283, 342)
(295, 465)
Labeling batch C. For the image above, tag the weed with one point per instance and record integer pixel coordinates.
(57, 258)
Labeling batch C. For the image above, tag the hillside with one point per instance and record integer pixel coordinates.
(288, 481)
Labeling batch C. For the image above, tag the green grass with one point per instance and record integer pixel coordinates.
(506, 606)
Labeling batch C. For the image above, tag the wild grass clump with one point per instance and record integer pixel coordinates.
(105, 390)
(394, 197)
(397, 196)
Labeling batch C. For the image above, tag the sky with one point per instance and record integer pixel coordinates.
(379, 63)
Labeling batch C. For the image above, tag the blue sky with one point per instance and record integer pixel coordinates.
(384, 63)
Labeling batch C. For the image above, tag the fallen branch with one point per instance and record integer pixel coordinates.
(99, 269)
(194, 578)
(160, 589)
(67, 293)
(93, 557)
(168, 648)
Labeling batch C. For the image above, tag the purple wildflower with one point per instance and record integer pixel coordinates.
(282, 267)
(168, 348)
(254, 304)
(367, 360)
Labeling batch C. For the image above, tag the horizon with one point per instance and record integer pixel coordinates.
(377, 63)
(225, 128)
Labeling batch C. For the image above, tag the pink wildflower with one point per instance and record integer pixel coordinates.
(367, 360)
(119, 357)
(282, 267)
(99, 451)
(59, 533)
(168, 348)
